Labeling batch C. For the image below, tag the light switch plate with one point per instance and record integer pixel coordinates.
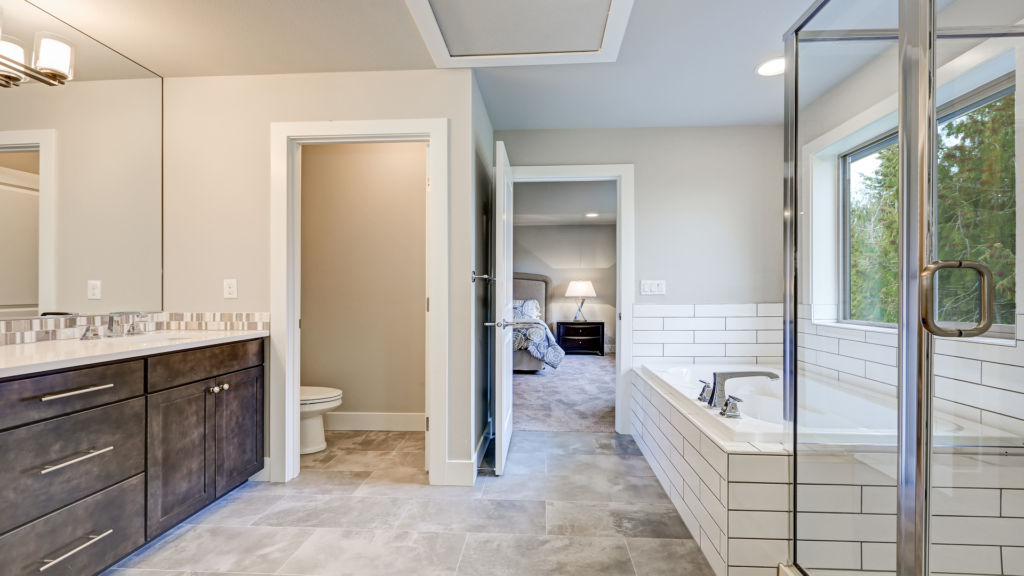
(652, 287)
(93, 292)
(231, 288)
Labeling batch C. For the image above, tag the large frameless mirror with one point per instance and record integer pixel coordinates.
(80, 175)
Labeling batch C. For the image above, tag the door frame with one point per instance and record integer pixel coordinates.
(286, 140)
(45, 141)
(625, 265)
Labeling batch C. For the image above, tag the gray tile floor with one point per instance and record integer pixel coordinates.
(569, 503)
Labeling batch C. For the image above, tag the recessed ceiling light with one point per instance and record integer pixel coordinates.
(592, 215)
(772, 67)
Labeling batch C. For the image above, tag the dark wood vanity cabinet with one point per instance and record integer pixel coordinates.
(239, 417)
(205, 439)
(181, 455)
(91, 466)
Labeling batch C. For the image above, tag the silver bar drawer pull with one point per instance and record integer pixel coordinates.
(75, 392)
(92, 540)
(48, 469)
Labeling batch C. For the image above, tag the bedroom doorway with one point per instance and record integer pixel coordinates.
(622, 176)
(565, 276)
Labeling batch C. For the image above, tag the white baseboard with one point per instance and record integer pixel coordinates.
(262, 475)
(395, 421)
(788, 570)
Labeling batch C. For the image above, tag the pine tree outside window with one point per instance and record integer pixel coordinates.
(976, 215)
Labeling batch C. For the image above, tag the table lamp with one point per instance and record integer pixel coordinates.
(581, 289)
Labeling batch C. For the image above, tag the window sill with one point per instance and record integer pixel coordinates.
(1011, 342)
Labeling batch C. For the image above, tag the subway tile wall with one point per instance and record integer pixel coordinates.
(702, 333)
(71, 327)
(978, 379)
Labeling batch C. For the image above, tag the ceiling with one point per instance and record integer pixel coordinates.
(682, 62)
(564, 203)
(521, 27)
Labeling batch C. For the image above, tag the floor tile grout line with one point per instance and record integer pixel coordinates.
(630, 553)
(461, 554)
(299, 547)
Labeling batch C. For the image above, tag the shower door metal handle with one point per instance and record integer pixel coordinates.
(929, 317)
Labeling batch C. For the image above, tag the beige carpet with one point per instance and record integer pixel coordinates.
(578, 396)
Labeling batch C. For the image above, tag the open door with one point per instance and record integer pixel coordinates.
(502, 306)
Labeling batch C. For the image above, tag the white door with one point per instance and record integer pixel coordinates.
(502, 306)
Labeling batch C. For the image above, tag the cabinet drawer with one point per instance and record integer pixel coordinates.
(89, 535)
(172, 370)
(581, 331)
(85, 453)
(572, 342)
(31, 399)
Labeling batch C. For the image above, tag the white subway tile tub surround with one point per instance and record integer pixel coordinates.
(733, 496)
(70, 327)
(702, 333)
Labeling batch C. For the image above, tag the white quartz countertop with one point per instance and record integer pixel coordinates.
(19, 359)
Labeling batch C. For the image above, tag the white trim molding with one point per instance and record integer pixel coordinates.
(46, 142)
(625, 264)
(614, 31)
(286, 141)
(394, 421)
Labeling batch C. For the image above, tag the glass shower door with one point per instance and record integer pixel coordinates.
(908, 423)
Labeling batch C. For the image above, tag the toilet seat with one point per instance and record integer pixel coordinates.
(317, 395)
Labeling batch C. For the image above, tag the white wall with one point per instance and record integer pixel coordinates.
(708, 203)
(217, 181)
(107, 187)
(567, 253)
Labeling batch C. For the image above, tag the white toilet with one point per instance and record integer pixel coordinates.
(314, 402)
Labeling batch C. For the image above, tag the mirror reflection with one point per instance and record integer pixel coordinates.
(80, 172)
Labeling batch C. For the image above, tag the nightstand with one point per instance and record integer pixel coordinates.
(581, 337)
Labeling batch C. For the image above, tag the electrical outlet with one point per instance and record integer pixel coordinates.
(93, 293)
(231, 288)
(652, 287)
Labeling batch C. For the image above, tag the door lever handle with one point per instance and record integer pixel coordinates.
(484, 276)
(495, 324)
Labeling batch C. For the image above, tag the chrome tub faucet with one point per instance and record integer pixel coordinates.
(717, 388)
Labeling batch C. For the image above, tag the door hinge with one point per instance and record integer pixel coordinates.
(428, 423)
(428, 304)
(300, 323)
(620, 315)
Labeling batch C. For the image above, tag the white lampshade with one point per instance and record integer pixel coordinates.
(581, 289)
(14, 49)
(54, 56)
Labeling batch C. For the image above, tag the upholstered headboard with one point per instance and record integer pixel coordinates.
(532, 287)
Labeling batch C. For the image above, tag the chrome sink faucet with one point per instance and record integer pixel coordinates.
(115, 328)
(717, 391)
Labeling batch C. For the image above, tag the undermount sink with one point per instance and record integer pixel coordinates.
(153, 338)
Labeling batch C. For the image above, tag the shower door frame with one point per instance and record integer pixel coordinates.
(916, 35)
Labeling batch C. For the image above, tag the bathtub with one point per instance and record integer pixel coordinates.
(828, 413)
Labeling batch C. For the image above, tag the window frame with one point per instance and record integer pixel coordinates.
(964, 104)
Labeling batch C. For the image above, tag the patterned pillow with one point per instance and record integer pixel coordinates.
(526, 309)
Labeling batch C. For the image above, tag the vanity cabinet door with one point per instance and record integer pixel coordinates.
(181, 455)
(239, 428)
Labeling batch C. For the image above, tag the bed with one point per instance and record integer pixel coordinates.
(530, 287)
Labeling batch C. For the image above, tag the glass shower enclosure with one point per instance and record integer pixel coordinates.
(904, 364)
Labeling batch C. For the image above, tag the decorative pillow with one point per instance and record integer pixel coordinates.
(526, 309)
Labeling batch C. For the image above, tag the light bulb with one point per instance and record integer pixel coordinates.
(14, 49)
(54, 56)
(772, 67)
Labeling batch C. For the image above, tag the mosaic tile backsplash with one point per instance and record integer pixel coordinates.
(71, 327)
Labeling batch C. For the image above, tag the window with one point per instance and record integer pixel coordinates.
(976, 214)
